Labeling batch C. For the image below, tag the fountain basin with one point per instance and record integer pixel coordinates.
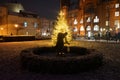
(47, 60)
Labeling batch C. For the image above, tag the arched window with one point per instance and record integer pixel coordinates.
(96, 28)
(75, 22)
(88, 19)
(81, 28)
(81, 21)
(96, 19)
(88, 28)
(75, 29)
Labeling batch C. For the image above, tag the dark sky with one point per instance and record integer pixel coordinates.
(44, 8)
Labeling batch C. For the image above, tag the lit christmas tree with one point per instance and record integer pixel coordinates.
(61, 26)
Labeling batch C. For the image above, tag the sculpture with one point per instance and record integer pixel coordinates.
(60, 42)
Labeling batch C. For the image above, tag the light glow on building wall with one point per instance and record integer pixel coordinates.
(16, 9)
(1, 30)
(111, 29)
(16, 25)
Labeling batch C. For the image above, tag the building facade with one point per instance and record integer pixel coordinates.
(46, 27)
(14, 20)
(92, 17)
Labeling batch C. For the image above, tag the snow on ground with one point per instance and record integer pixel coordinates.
(10, 66)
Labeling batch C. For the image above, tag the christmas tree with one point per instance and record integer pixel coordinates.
(61, 26)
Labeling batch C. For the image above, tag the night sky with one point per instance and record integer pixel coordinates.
(44, 8)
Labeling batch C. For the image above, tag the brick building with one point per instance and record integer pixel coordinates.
(90, 17)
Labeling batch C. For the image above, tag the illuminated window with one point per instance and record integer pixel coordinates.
(75, 22)
(81, 28)
(75, 29)
(96, 19)
(88, 20)
(35, 25)
(96, 28)
(81, 21)
(117, 5)
(107, 22)
(117, 13)
(101, 29)
(117, 24)
(44, 33)
(110, 29)
(88, 28)
(89, 34)
(27, 33)
(25, 24)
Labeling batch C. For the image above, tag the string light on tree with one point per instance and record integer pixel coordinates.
(61, 26)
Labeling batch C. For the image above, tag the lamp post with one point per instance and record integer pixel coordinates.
(16, 26)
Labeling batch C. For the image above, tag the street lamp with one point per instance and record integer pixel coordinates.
(16, 26)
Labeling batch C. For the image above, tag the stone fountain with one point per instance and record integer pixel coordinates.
(46, 59)
(60, 58)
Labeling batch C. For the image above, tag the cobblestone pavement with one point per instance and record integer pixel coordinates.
(10, 66)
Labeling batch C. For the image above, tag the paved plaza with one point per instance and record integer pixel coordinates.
(10, 66)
